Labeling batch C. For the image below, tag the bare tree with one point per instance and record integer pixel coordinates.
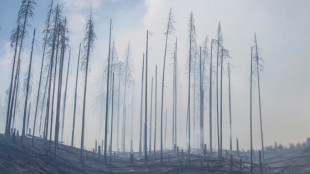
(155, 110)
(112, 118)
(170, 29)
(213, 41)
(65, 99)
(175, 101)
(201, 102)
(219, 44)
(251, 139)
(230, 120)
(25, 12)
(27, 87)
(107, 98)
(141, 108)
(145, 118)
(75, 96)
(63, 30)
(88, 45)
(14, 38)
(46, 31)
(192, 38)
(150, 138)
(259, 67)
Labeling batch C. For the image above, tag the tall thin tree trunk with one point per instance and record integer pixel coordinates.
(118, 104)
(28, 117)
(61, 61)
(189, 88)
(75, 96)
(141, 108)
(8, 126)
(155, 111)
(251, 142)
(54, 86)
(145, 118)
(107, 98)
(201, 105)
(12, 75)
(43, 103)
(27, 87)
(40, 79)
(124, 100)
(230, 127)
(162, 89)
(112, 118)
(89, 38)
(132, 117)
(174, 112)
(150, 138)
(210, 99)
(65, 99)
(259, 99)
(217, 91)
(221, 116)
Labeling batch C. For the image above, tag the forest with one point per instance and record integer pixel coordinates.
(146, 122)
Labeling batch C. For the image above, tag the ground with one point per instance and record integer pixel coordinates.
(18, 157)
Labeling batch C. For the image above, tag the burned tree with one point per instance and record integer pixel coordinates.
(46, 32)
(24, 14)
(88, 45)
(107, 98)
(170, 29)
(27, 88)
(75, 97)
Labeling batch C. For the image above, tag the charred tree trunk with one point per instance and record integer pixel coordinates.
(155, 126)
(40, 79)
(27, 87)
(251, 139)
(75, 96)
(107, 98)
(201, 105)
(145, 118)
(65, 99)
(210, 98)
(150, 138)
(141, 108)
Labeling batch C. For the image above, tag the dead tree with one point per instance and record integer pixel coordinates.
(88, 45)
(230, 120)
(107, 98)
(145, 118)
(213, 41)
(251, 139)
(192, 36)
(155, 126)
(75, 97)
(65, 99)
(14, 38)
(25, 12)
(46, 31)
(259, 68)
(63, 30)
(175, 101)
(201, 103)
(150, 138)
(170, 29)
(27, 87)
(50, 67)
(219, 44)
(141, 108)
(132, 116)
(112, 118)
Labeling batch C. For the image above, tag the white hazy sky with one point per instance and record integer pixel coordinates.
(282, 28)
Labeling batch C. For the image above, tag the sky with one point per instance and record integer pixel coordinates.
(283, 37)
